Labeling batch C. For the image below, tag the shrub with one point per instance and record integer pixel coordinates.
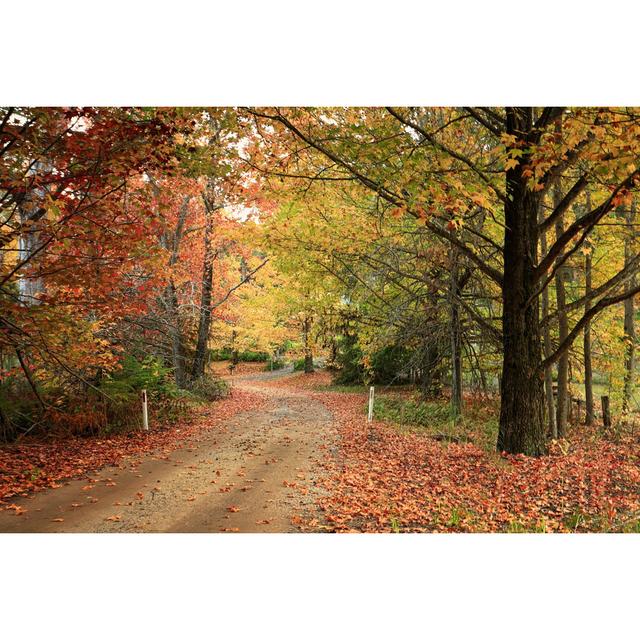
(210, 388)
(18, 407)
(349, 362)
(119, 396)
(384, 367)
(274, 364)
(218, 355)
(135, 375)
(253, 356)
(387, 363)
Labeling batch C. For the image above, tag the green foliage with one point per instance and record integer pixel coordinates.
(119, 393)
(346, 388)
(298, 365)
(407, 411)
(136, 375)
(348, 361)
(18, 407)
(108, 404)
(434, 418)
(387, 363)
(210, 388)
(218, 355)
(273, 364)
(384, 365)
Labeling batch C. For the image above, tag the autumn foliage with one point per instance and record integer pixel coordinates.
(383, 480)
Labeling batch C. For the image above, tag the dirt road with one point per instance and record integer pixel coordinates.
(254, 476)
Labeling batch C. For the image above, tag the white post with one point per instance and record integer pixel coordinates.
(145, 414)
(371, 394)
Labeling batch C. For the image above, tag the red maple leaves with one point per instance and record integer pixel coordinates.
(378, 479)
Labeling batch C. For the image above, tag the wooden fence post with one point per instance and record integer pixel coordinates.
(606, 415)
(145, 413)
(371, 395)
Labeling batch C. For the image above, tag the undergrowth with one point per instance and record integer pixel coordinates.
(434, 418)
(106, 404)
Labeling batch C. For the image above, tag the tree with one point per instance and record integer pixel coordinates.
(503, 161)
(68, 231)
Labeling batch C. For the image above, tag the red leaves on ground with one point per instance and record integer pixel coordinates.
(401, 481)
(379, 479)
(33, 465)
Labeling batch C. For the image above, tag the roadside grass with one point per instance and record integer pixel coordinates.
(343, 388)
(404, 409)
(434, 418)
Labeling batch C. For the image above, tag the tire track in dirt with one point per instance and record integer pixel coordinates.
(253, 477)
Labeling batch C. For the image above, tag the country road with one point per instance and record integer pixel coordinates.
(254, 475)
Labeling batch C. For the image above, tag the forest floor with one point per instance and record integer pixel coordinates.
(290, 452)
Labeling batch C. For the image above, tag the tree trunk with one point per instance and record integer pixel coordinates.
(456, 341)
(563, 329)
(177, 341)
(177, 344)
(308, 354)
(588, 371)
(629, 313)
(204, 324)
(31, 212)
(548, 371)
(522, 428)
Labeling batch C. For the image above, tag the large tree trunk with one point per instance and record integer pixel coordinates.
(522, 428)
(204, 324)
(629, 313)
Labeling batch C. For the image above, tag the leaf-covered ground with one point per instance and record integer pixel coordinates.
(378, 477)
(382, 479)
(34, 465)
